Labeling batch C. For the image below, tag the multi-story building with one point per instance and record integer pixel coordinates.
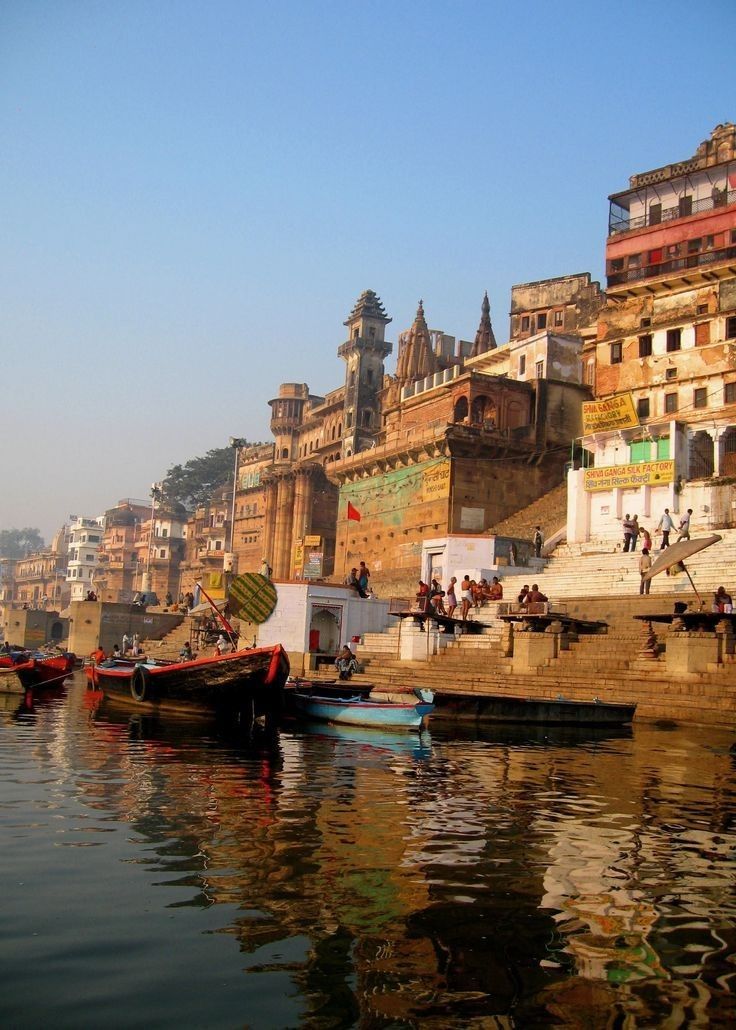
(205, 544)
(663, 430)
(85, 539)
(120, 566)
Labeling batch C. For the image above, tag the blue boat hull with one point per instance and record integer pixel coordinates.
(359, 712)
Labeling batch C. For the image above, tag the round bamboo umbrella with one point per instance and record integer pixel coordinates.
(676, 555)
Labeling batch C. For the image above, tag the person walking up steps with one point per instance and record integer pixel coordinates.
(665, 527)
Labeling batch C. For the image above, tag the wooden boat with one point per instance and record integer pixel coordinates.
(328, 688)
(557, 711)
(361, 711)
(253, 677)
(36, 670)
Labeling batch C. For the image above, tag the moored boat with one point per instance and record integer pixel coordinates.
(253, 677)
(557, 711)
(36, 670)
(362, 711)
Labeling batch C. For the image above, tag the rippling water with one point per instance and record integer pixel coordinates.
(176, 874)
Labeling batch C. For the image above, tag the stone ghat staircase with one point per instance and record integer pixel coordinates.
(603, 665)
(583, 569)
(549, 512)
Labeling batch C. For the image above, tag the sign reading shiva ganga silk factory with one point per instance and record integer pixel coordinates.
(645, 473)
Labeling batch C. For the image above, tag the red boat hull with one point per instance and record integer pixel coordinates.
(43, 672)
(252, 678)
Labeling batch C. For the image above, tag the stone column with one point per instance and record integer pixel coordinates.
(269, 520)
(302, 518)
(282, 540)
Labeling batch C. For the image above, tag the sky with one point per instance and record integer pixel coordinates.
(194, 194)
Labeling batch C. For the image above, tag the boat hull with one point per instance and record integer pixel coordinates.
(360, 712)
(253, 678)
(534, 710)
(41, 671)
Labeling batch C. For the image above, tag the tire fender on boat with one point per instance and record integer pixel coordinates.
(139, 683)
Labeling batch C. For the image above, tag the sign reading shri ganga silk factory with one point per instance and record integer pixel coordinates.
(615, 413)
(645, 473)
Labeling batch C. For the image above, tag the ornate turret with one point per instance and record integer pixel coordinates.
(417, 359)
(364, 353)
(484, 338)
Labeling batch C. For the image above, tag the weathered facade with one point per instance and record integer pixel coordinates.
(666, 346)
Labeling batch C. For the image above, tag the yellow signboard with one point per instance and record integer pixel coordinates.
(436, 482)
(312, 541)
(626, 477)
(298, 556)
(615, 413)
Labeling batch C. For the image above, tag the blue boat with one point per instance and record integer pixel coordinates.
(361, 711)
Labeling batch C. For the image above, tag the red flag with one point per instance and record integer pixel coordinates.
(353, 513)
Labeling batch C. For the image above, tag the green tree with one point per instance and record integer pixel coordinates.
(17, 543)
(193, 483)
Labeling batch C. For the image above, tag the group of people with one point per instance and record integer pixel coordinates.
(666, 525)
(432, 598)
(358, 579)
(531, 595)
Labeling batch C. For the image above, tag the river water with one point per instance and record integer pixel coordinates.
(176, 873)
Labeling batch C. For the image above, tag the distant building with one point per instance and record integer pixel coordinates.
(85, 540)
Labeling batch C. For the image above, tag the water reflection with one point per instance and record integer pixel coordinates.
(570, 877)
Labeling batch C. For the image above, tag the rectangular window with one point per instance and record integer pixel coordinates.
(729, 393)
(655, 256)
(616, 353)
(663, 448)
(634, 260)
(670, 373)
(558, 318)
(640, 450)
(540, 369)
(702, 333)
(674, 339)
(645, 345)
(542, 320)
(522, 364)
(162, 553)
(645, 322)
(616, 265)
(655, 214)
(164, 531)
(642, 407)
(685, 205)
(700, 397)
(693, 246)
(702, 309)
(731, 327)
(670, 402)
(524, 323)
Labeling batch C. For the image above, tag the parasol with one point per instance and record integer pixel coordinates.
(676, 555)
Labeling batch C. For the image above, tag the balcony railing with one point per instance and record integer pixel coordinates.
(619, 222)
(678, 264)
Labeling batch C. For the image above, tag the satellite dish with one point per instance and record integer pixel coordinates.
(252, 597)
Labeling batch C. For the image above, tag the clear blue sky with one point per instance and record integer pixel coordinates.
(193, 195)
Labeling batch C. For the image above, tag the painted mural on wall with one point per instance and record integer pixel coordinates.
(386, 498)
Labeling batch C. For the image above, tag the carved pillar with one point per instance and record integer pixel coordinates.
(269, 520)
(301, 522)
(282, 539)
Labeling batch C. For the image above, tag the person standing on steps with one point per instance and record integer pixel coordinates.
(538, 541)
(665, 527)
(645, 564)
(684, 528)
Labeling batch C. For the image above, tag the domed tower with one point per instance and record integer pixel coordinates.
(286, 417)
(364, 353)
(417, 359)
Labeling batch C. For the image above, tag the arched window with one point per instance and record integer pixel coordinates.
(701, 455)
(461, 409)
(728, 454)
(285, 452)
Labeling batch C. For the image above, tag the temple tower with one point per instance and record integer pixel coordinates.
(364, 353)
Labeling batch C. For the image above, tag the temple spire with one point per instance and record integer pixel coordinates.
(485, 339)
(417, 358)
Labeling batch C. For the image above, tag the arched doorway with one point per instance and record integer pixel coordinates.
(324, 629)
(700, 458)
(460, 411)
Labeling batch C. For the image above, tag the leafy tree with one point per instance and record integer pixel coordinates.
(193, 484)
(17, 543)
